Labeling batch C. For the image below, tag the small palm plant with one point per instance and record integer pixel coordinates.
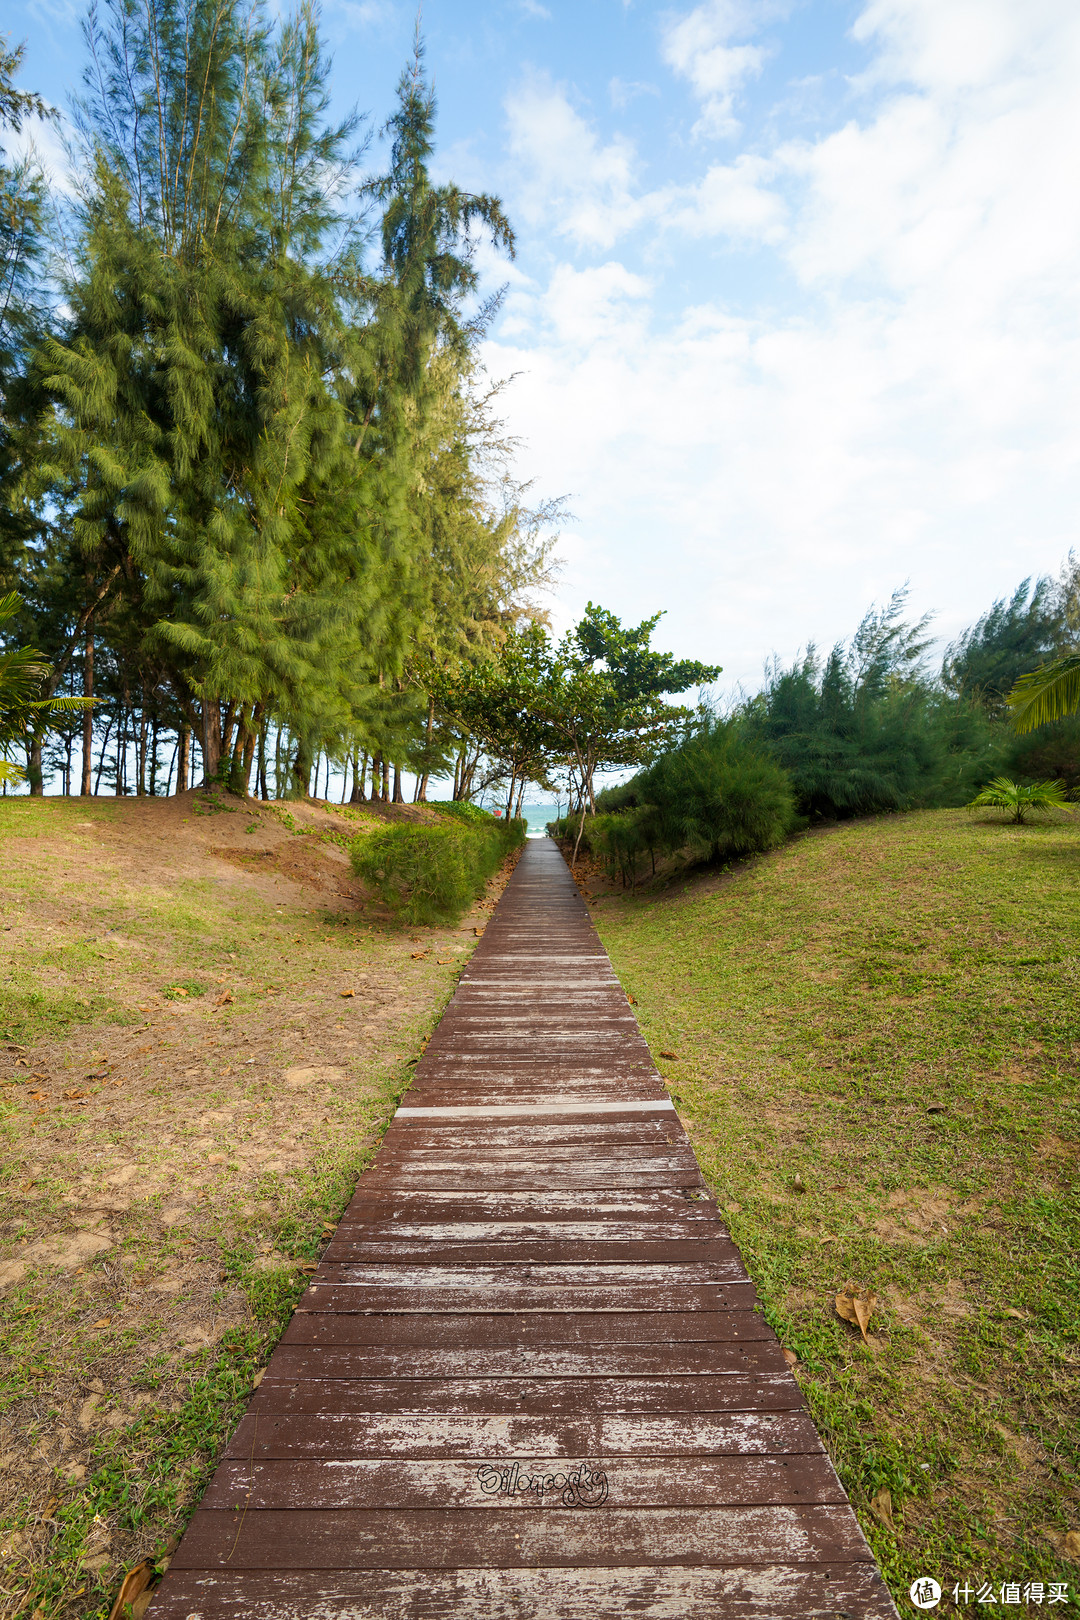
(1022, 799)
(22, 674)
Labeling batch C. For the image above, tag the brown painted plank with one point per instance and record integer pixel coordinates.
(433, 1329)
(264, 1433)
(480, 1360)
(658, 1298)
(700, 1392)
(773, 1592)
(497, 1481)
(448, 1538)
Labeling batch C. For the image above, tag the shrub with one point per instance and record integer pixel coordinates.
(462, 810)
(716, 796)
(432, 874)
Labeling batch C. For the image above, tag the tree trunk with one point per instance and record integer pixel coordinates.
(34, 772)
(172, 767)
(101, 756)
(399, 797)
(300, 787)
(385, 795)
(210, 716)
(88, 713)
(263, 732)
(360, 765)
(183, 764)
(154, 757)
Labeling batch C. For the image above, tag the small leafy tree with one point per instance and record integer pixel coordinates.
(1021, 799)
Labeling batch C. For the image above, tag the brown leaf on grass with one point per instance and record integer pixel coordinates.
(308, 1267)
(418, 956)
(72, 1096)
(881, 1507)
(258, 1378)
(478, 932)
(138, 1585)
(791, 1358)
(106, 1321)
(39, 1095)
(1017, 1316)
(346, 993)
(672, 1057)
(224, 1001)
(176, 990)
(444, 962)
(856, 1308)
(1071, 1545)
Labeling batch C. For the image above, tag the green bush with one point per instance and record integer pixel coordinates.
(462, 810)
(432, 874)
(716, 796)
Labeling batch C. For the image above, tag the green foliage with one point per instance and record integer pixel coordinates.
(865, 732)
(1048, 693)
(715, 797)
(1021, 799)
(432, 874)
(464, 810)
(718, 796)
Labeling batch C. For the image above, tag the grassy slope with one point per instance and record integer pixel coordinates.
(822, 1006)
(197, 1176)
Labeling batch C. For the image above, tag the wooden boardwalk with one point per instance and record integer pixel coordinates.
(528, 1379)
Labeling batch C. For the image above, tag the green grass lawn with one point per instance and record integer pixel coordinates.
(874, 1040)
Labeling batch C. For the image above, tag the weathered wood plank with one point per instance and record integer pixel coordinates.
(433, 1329)
(499, 1482)
(481, 1360)
(698, 1392)
(300, 1434)
(772, 1592)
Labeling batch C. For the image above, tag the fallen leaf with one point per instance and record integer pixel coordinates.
(139, 1050)
(791, 1358)
(441, 963)
(855, 1308)
(137, 1584)
(881, 1507)
(478, 932)
(1072, 1545)
(223, 1001)
(106, 1321)
(937, 1108)
(418, 956)
(797, 1183)
(176, 990)
(71, 1096)
(346, 993)
(672, 1057)
(1018, 1316)
(258, 1378)
(632, 1000)
(39, 1095)
(308, 1267)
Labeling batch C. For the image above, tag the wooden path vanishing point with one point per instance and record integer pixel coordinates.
(528, 1380)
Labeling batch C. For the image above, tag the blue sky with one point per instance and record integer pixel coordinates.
(794, 314)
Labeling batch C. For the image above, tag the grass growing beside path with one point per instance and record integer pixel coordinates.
(873, 1038)
(203, 1032)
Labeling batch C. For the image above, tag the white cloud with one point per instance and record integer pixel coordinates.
(707, 46)
(577, 185)
(913, 411)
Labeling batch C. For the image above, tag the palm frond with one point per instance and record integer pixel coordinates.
(1049, 693)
